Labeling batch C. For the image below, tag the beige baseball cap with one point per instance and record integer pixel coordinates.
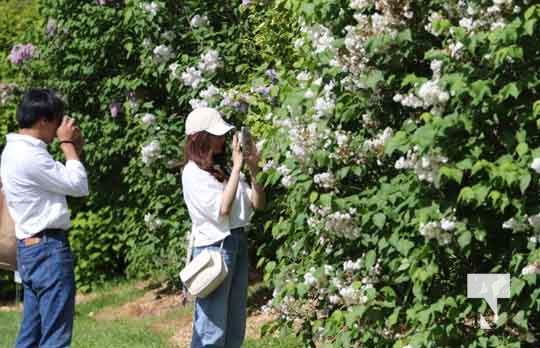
(206, 119)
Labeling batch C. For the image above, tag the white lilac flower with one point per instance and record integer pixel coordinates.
(151, 8)
(334, 299)
(350, 266)
(432, 93)
(310, 280)
(148, 119)
(288, 181)
(192, 77)
(268, 165)
(533, 268)
(352, 296)
(328, 270)
(163, 53)
(377, 144)
(210, 61)
(209, 92)
(448, 224)
(534, 221)
(320, 36)
(303, 77)
(150, 152)
(456, 49)
(360, 4)
(434, 230)
(152, 222)
(298, 43)
(342, 224)
(324, 106)
(325, 180)
(309, 94)
(198, 103)
(535, 165)
(199, 21)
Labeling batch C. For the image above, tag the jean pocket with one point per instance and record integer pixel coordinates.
(63, 262)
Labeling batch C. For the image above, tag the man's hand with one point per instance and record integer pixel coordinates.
(69, 132)
(67, 129)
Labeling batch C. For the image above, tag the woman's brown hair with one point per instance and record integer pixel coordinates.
(208, 152)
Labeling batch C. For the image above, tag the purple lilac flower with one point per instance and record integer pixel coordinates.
(271, 74)
(103, 2)
(51, 26)
(246, 2)
(115, 108)
(264, 90)
(21, 52)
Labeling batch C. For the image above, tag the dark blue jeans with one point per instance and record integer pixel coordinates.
(46, 270)
(220, 319)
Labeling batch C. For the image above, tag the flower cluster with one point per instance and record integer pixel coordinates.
(115, 108)
(430, 94)
(320, 36)
(533, 268)
(425, 166)
(193, 76)
(21, 53)
(389, 16)
(439, 230)
(287, 179)
(163, 54)
(152, 8)
(376, 145)
(148, 119)
(340, 223)
(325, 180)
(151, 152)
(152, 222)
(199, 21)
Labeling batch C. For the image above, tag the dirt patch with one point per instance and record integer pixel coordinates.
(152, 304)
(172, 316)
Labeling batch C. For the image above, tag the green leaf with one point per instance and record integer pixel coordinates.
(529, 26)
(509, 90)
(465, 239)
(521, 320)
(453, 174)
(524, 182)
(379, 219)
(370, 259)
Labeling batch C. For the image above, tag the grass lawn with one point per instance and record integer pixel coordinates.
(131, 332)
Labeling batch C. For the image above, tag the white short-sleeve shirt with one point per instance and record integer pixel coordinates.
(202, 194)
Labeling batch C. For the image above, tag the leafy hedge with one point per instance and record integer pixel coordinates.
(399, 138)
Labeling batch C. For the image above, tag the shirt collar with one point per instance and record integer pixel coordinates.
(14, 137)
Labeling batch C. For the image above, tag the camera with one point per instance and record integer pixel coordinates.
(245, 140)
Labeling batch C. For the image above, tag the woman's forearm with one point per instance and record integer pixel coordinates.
(229, 193)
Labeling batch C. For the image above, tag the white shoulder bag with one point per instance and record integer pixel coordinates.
(202, 275)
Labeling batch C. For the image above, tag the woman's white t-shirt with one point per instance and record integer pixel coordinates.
(202, 194)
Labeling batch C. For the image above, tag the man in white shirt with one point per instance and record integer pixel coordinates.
(35, 188)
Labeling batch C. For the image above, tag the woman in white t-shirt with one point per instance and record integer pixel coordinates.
(220, 204)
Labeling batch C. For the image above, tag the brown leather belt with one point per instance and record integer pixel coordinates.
(31, 241)
(36, 239)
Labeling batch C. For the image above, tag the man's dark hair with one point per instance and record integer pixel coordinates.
(39, 104)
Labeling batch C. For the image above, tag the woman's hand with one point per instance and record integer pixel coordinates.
(237, 156)
(253, 157)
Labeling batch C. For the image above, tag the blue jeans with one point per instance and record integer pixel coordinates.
(46, 271)
(220, 318)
